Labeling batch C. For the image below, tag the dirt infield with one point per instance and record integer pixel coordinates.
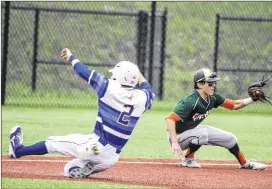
(148, 172)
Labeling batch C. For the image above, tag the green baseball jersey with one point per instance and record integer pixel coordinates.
(193, 109)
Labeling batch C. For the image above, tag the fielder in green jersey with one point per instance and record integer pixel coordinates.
(184, 123)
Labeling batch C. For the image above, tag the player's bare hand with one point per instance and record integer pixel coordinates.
(177, 152)
(65, 54)
(141, 78)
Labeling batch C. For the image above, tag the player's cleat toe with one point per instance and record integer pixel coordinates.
(191, 163)
(77, 172)
(16, 140)
(250, 164)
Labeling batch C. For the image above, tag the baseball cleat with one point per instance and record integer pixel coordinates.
(16, 140)
(191, 163)
(250, 164)
(77, 172)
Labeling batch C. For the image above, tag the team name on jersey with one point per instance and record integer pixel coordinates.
(198, 116)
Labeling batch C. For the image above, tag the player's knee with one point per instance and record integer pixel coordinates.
(66, 169)
(203, 138)
(231, 140)
(104, 166)
(112, 163)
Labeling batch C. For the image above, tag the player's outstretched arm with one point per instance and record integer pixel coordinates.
(82, 70)
(255, 92)
(236, 104)
(242, 103)
(97, 81)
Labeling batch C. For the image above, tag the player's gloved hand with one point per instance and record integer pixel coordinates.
(65, 54)
(256, 92)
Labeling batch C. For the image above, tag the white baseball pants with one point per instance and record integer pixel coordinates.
(79, 146)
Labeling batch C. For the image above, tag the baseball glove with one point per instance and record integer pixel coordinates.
(256, 92)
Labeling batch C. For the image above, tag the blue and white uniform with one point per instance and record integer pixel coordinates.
(119, 109)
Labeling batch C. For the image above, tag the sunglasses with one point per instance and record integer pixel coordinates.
(211, 83)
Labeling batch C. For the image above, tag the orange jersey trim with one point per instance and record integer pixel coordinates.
(229, 104)
(173, 117)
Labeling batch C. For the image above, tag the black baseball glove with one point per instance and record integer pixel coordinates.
(256, 92)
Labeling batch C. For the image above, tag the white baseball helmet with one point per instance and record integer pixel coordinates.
(126, 73)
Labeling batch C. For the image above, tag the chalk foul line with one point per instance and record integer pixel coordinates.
(127, 162)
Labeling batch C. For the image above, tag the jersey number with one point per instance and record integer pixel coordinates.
(124, 115)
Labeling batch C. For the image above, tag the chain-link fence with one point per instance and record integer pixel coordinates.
(243, 52)
(37, 76)
(190, 42)
(190, 45)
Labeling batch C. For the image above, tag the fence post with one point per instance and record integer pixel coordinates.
(5, 53)
(151, 42)
(162, 55)
(142, 29)
(35, 49)
(216, 42)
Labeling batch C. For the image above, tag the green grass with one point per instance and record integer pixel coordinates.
(149, 137)
(32, 183)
